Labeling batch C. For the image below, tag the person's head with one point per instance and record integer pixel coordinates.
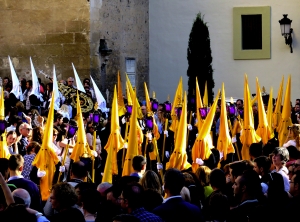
(203, 173)
(28, 84)
(102, 187)
(173, 182)
(262, 165)
(239, 104)
(297, 108)
(25, 129)
(90, 200)
(185, 194)
(296, 165)
(217, 179)
(80, 188)
(4, 167)
(17, 212)
(150, 180)
(237, 168)
(112, 194)
(78, 171)
(254, 108)
(58, 119)
(294, 131)
(55, 133)
(275, 184)
(33, 147)
(132, 196)
(37, 134)
(16, 163)
(70, 81)
(280, 156)
(219, 203)
(23, 195)
(11, 137)
(255, 150)
(295, 184)
(247, 185)
(139, 163)
(49, 86)
(144, 110)
(63, 196)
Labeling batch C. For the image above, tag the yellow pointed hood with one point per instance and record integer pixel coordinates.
(148, 103)
(177, 102)
(270, 113)
(81, 147)
(198, 106)
(277, 111)
(121, 105)
(263, 130)
(205, 97)
(132, 149)
(285, 115)
(248, 135)
(4, 152)
(46, 159)
(114, 144)
(129, 99)
(203, 143)
(139, 111)
(224, 140)
(178, 158)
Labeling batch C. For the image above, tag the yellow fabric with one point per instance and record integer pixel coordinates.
(139, 111)
(198, 106)
(286, 115)
(121, 105)
(4, 152)
(81, 147)
(177, 102)
(132, 149)
(270, 113)
(263, 130)
(277, 110)
(205, 97)
(46, 159)
(224, 141)
(129, 100)
(114, 144)
(248, 135)
(178, 158)
(148, 103)
(203, 143)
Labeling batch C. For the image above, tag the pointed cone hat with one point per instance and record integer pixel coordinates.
(77, 79)
(100, 99)
(121, 105)
(16, 89)
(224, 140)
(277, 110)
(114, 144)
(178, 158)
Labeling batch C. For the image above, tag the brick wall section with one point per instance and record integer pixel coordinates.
(50, 31)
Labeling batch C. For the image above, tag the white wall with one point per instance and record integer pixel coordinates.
(170, 25)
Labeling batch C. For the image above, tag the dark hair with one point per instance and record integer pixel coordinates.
(79, 169)
(3, 166)
(174, 181)
(91, 200)
(283, 152)
(115, 189)
(126, 218)
(138, 162)
(263, 162)
(33, 145)
(297, 177)
(133, 193)
(17, 212)
(238, 167)
(37, 134)
(294, 153)
(151, 199)
(240, 101)
(255, 149)
(15, 161)
(64, 194)
(57, 116)
(251, 180)
(29, 82)
(150, 180)
(217, 178)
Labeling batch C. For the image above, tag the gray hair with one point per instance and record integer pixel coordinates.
(22, 194)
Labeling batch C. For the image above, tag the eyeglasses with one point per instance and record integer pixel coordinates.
(28, 129)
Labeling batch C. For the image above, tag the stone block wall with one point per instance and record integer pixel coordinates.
(52, 32)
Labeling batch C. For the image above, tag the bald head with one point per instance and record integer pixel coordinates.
(23, 195)
(102, 187)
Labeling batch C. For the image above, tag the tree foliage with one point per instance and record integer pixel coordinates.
(200, 60)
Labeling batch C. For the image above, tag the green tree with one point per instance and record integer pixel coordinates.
(200, 60)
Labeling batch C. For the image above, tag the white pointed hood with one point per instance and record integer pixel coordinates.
(100, 99)
(55, 90)
(35, 83)
(78, 82)
(16, 89)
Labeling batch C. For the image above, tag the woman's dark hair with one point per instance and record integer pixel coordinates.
(33, 145)
(91, 200)
(37, 134)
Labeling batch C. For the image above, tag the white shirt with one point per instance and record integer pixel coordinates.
(15, 177)
(283, 171)
(165, 200)
(289, 143)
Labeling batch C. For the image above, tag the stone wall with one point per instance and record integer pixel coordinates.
(125, 26)
(50, 31)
